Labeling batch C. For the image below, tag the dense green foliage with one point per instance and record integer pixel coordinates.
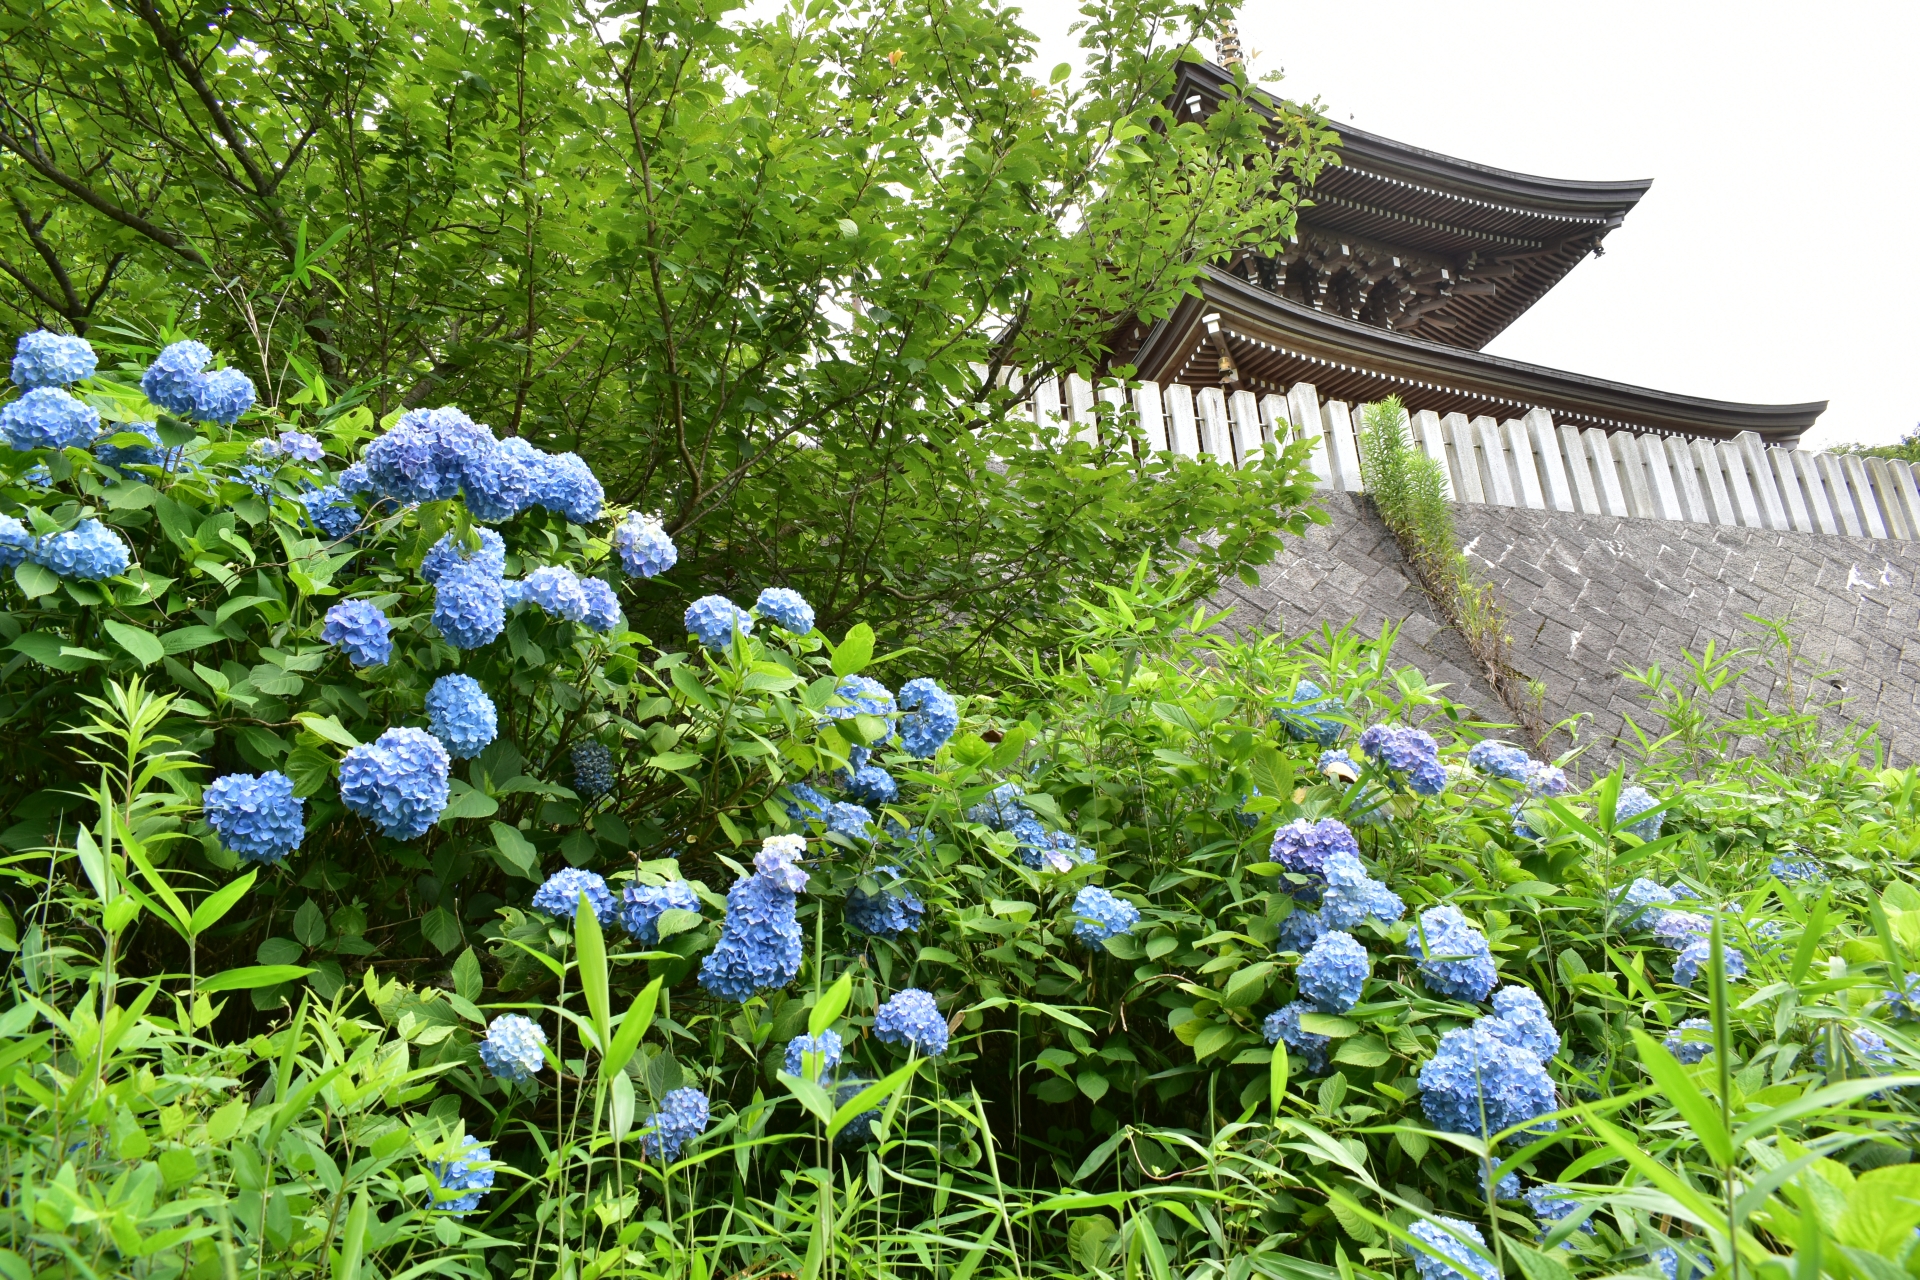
(765, 270)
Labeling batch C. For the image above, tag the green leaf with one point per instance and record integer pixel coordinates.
(854, 652)
(252, 976)
(468, 982)
(633, 1025)
(870, 1097)
(674, 761)
(187, 639)
(1701, 1115)
(279, 951)
(675, 920)
(1245, 986)
(1211, 1040)
(212, 908)
(310, 769)
(1363, 1051)
(326, 727)
(143, 645)
(513, 853)
(590, 945)
(468, 803)
(811, 1096)
(309, 925)
(35, 580)
(832, 1003)
(440, 928)
(1327, 1024)
(1277, 1068)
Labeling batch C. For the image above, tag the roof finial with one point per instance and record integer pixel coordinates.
(1227, 47)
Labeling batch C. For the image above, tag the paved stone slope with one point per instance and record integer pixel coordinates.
(1588, 596)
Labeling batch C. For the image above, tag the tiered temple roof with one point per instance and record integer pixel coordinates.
(1405, 264)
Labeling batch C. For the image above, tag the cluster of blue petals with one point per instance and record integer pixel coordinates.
(1351, 895)
(464, 1174)
(88, 552)
(1099, 915)
(827, 1045)
(1334, 971)
(331, 511)
(461, 715)
(46, 359)
(641, 906)
(864, 696)
(760, 941)
(1478, 1083)
(1633, 802)
(1455, 960)
(932, 716)
(1697, 956)
(512, 1049)
(786, 609)
(559, 896)
(398, 782)
(1283, 1025)
(1690, 1048)
(256, 816)
(712, 620)
(592, 769)
(1462, 1262)
(149, 453)
(894, 910)
(49, 418)
(682, 1117)
(1410, 755)
(644, 547)
(361, 631)
(1498, 760)
(911, 1018)
(1308, 715)
(469, 606)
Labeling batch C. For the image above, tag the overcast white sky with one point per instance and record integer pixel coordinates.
(1771, 262)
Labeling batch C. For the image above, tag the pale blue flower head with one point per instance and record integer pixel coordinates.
(256, 816)
(564, 484)
(361, 631)
(1455, 960)
(222, 396)
(490, 556)
(932, 716)
(1789, 870)
(1306, 716)
(1637, 901)
(1462, 1263)
(463, 1174)
(911, 1018)
(1477, 1083)
(469, 606)
(641, 906)
(785, 609)
(557, 590)
(1351, 895)
(1334, 971)
(461, 715)
(1283, 1026)
(1299, 931)
(171, 381)
(559, 896)
(301, 447)
(1499, 760)
(1520, 1018)
(1001, 809)
(331, 511)
(45, 359)
(15, 542)
(1677, 928)
(1633, 802)
(682, 1117)
(644, 546)
(1304, 846)
(1696, 956)
(88, 552)
(603, 614)
(1544, 779)
(864, 696)
(1691, 1041)
(894, 910)
(513, 1047)
(870, 784)
(398, 782)
(497, 482)
(827, 1045)
(150, 454)
(1099, 915)
(49, 418)
(1410, 754)
(850, 820)
(1868, 1048)
(712, 621)
(804, 804)
(760, 940)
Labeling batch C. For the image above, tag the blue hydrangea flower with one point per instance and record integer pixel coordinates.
(1463, 1261)
(469, 606)
(1869, 1048)
(1695, 956)
(932, 716)
(1351, 895)
(1334, 971)
(592, 769)
(827, 1045)
(557, 590)
(1338, 764)
(423, 456)
(355, 478)
(331, 511)
(1065, 851)
(1633, 802)
(565, 485)
(1299, 931)
(258, 479)
(871, 784)
(1637, 899)
(641, 905)
(362, 632)
(398, 782)
(1498, 760)
(301, 447)
(1788, 870)
(1690, 1048)
(1304, 847)
(497, 481)
(1034, 841)
(911, 1018)
(1542, 779)
(88, 552)
(1001, 809)
(222, 396)
(865, 696)
(887, 914)
(1099, 915)
(859, 1130)
(644, 547)
(785, 609)
(1306, 716)
(174, 376)
(850, 820)
(804, 804)
(512, 1049)
(1455, 960)
(1677, 928)
(712, 620)
(463, 1174)
(15, 542)
(490, 557)
(150, 454)
(256, 816)
(46, 359)
(461, 715)
(760, 941)
(1477, 1083)
(1903, 1002)
(1520, 1019)
(559, 896)
(603, 608)
(1411, 753)
(49, 418)
(1284, 1025)
(1552, 1203)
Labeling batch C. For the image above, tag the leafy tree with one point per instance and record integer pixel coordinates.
(770, 275)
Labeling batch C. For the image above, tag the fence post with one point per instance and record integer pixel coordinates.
(1734, 458)
(1080, 410)
(1181, 428)
(1525, 473)
(1834, 480)
(1426, 433)
(1046, 408)
(1862, 485)
(1708, 459)
(1606, 473)
(1247, 440)
(1760, 473)
(1810, 493)
(1586, 496)
(1216, 437)
(1546, 448)
(1687, 479)
(1303, 405)
(1342, 445)
(1633, 474)
(1666, 499)
(1886, 483)
(1466, 458)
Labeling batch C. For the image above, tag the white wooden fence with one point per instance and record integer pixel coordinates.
(1529, 461)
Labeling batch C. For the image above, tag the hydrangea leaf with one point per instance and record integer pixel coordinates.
(854, 652)
(35, 581)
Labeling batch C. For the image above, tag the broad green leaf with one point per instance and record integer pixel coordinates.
(1211, 1040)
(1701, 1115)
(442, 929)
(870, 1097)
(327, 727)
(187, 639)
(515, 854)
(1363, 1051)
(1245, 986)
(1328, 1024)
(251, 976)
(35, 580)
(590, 945)
(633, 1026)
(468, 982)
(832, 1002)
(854, 652)
(211, 909)
(811, 1096)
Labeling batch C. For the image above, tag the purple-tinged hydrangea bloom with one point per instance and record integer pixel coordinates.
(564, 484)
(1304, 847)
(469, 606)
(889, 913)
(866, 697)
(592, 769)
(1306, 715)
(712, 620)
(301, 447)
(759, 947)
(641, 906)
(785, 609)
(1334, 971)
(932, 716)
(870, 784)
(1406, 751)
(682, 1117)
(424, 455)
(805, 804)
(88, 552)
(1637, 901)
(1695, 956)
(1690, 1048)
(1633, 802)
(1299, 931)
(15, 542)
(1477, 1083)
(461, 715)
(644, 547)
(1788, 870)
(150, 454)
(222, 396)
(1283, 1025)
(1867, 1047)
(1463, 1262)
(356, 479)
(362, 632)
(559, 896)
(557, 590)
(331, 511)
(497, 482)
(1099, 915)
(512, 1049)
(398, 781)
(49, 418)
(827, 1046)
(1520, 1019)
(174, 376)
(1677, 928)
(256, 816)
(1352, 895)
(489, 557)
(850, 820)
(1499, 760)
(911, 1018)
(46, 359)
(1544, 779)
(1455, 960)
(463, 1174)
(603, 614)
